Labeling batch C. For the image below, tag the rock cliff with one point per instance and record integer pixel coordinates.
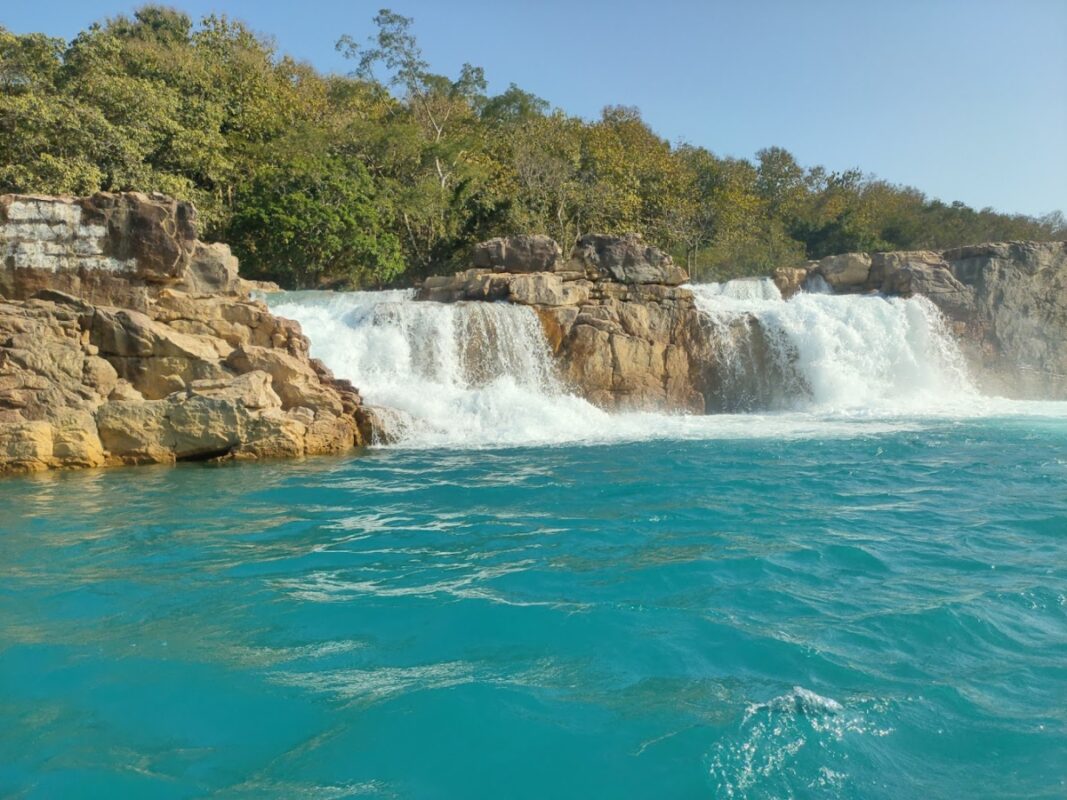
(124, 339)
(624, 331)
(627, 335)
(1006, 302)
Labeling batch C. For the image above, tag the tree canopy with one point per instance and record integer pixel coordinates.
(393, 171)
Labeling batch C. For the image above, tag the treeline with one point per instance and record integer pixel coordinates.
(392, 172)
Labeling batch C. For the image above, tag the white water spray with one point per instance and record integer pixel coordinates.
(842, 352)
(480, 374)
(472, 373)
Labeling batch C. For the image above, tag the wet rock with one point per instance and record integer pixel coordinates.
(789, 280)
(612, 315)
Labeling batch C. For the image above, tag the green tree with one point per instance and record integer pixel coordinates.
(393, 171)
(314, 221)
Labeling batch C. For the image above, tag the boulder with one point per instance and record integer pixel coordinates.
(200, 427)
(193, 427)
(251, 390)
(789, 280)
(293, 380)
(133, 432)
(153, 357)
(909, 273)
(212, 269)
(471, 284)
(626, 259)
(526, 253)
(845, 272)
(546, 289)
(273, 434)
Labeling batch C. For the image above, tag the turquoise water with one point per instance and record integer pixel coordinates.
(877, 615)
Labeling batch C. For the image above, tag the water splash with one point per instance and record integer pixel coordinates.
(793, 744)
(476, 373)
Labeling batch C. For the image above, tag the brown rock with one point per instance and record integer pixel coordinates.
(847, 272)
(789, 280)
(556, 323)
(526, 253)
(130, 341)
(626, 259)
(133, 432)
(75, 442)
(294, 380)
(25, 446)
(381, 425)
(251, 390)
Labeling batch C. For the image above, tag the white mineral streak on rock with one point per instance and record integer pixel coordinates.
(49, 235)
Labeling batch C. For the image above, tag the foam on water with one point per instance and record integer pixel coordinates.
(481, 374)
(795, 740)
(478, 373)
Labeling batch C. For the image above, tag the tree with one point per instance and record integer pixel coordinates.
(313, 221)
(370, 178)
(512, 107)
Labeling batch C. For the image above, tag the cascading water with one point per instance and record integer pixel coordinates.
(481, 375)
(831, 352)
(476, 373)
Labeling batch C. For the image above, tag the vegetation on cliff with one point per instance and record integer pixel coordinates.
(393, 172)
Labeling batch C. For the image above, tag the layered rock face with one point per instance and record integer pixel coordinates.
(124, 339)
(620, 325)
(1007, 303)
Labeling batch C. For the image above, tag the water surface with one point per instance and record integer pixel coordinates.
(871, 612)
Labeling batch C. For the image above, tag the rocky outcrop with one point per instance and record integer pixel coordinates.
(614, 314)
(1007, 303)
(527, 253)
(626, 334)
(626, 259)
(107, 249)
(1012, 314)
(124, 339)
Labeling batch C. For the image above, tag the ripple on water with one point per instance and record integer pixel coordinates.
(866, 617)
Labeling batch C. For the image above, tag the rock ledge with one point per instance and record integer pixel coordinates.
(124, 339)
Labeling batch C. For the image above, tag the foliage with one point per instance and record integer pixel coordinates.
(394, 171)
(312, 220)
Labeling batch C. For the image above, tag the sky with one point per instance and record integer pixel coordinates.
(964, 99)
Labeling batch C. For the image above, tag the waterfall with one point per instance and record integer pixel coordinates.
(473, 375)
(470, 373)
(830, 352)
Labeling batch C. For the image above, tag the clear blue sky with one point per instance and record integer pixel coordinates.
(965, 99)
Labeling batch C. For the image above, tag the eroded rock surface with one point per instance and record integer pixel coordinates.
(124, 339)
